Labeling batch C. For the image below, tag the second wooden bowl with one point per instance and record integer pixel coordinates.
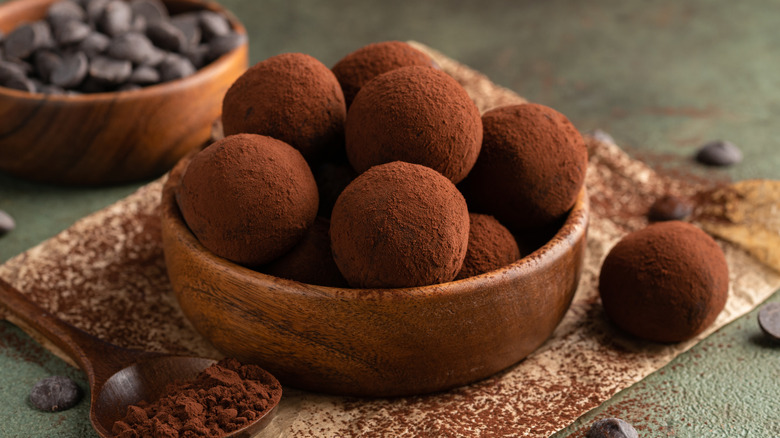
(114, 137)
(381, 342)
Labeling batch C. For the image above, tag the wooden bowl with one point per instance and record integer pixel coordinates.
(380, 342)
(113, 137)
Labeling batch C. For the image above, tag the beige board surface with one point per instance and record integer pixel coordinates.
(106, 275)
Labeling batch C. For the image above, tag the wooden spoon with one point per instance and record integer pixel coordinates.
(118, 377)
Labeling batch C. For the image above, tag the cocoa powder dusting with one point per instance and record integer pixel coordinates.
(225, 397)
(491, 246)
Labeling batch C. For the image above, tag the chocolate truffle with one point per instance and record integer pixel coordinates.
(531, 167)
(665, 283)
(311, 261)
(415, 114)
(399, 225)
(368, 62)
(291, 97)
(248, 198)
(491, 246)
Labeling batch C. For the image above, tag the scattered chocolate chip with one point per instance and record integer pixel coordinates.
(72, 71)
(669, 208)
(151, 10)
(166, 36)
(117, 18)
(133, 47)
(213, 24)
(94, 44)
(769, 320)
(7, 223)
(224, 44)
(719, 153)
(144, 75)
(54, 394)
(26, 39)
(611, 428)
(189, 24)
(70, 31)
(174, 67)
(66, 10)
(46, 61)
(109, 70)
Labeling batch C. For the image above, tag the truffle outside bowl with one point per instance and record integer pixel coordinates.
(380, 342)
(115, 137)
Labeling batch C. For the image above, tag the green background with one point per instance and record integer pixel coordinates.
(661, 77)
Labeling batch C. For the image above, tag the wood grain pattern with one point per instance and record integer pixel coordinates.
(387, 342)
(118, 377)
(110, 137)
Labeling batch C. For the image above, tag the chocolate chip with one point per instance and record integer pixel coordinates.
(7, 223)
(144, 75)
(189, 24)
(611, 428)
(94, 44)
(72, 71)
(23, 84)
(174, 67)
(26, 39)
(10, 70)
(224, 44)
(152, 11)
(117, 18)
(95, 9)
(669, 208)
(719, 153)
(166, 36)
(46, 61)
(213, 24)
(769, 320)
(92, 85)
(66, 10)
(110, 71)
(54, 394)
(70, 31)
(129, 87)
(197, 55)
(133, 47)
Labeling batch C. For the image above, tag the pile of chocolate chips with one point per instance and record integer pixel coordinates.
(93, 46)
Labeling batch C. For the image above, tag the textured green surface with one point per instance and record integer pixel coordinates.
(662, 77)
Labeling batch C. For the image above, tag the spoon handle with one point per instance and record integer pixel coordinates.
(87, 350)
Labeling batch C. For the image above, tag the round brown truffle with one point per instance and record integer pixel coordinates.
(356, 69)
(491, 246)
(415, 114)
(311, 261)
(531, 167)
(399, 225)
(248, 198)
(665, 283)
(291, 97)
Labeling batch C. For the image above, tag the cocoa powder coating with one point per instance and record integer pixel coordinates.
(399, 225)
(356, 69)
(415, 114)
(531, 167)
(291, 97)
(225, 397)
(311, 261)
(664, 283)
(491, 246)
(248, 198)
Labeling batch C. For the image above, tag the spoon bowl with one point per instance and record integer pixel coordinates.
(118, 377)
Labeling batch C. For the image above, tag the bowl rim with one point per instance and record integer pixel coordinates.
(573, 229)
(191, 81)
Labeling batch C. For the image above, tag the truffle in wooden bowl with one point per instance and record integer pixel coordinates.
(109, 136)
(375, 342)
